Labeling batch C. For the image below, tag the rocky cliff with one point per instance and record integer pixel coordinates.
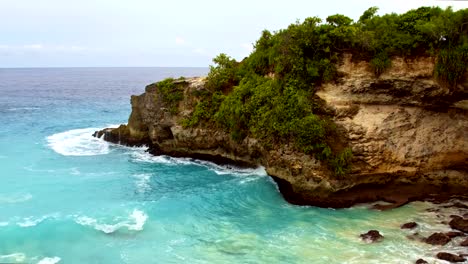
(408, 134)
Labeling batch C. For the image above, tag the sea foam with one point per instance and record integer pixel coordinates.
(14, 257)
(15, 198)
(141, 156)
(30, 221)
(135, 222)
(52, 260)
(23, 109)
(78, 142)
(142, 182)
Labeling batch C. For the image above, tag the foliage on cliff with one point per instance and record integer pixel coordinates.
(171, 93)
(270, 94)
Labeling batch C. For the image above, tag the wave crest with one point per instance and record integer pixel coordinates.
(30, 221)
(134, 222)
(140, 155)
(15, 198)
(78, 142)
(52, 260)
(14, 257)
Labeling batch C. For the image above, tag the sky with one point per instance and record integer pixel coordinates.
(171, 33)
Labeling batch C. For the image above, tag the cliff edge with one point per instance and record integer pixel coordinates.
(407, 132)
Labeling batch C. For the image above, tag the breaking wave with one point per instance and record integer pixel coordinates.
(140, 155)
(52, 260)
(15, 198)
(78, 142)
(134, 222)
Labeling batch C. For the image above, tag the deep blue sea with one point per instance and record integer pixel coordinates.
(66, 197)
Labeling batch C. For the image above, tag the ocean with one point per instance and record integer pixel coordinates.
(66, 197)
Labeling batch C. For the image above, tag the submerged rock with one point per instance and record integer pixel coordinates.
(460, 205)
(453, 234)
(459, 223)
(416, 236)
(372, 236)
(450, 257)
(409, 225)
(421, 261)
(438, 239)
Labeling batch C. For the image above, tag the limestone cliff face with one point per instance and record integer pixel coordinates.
(409, 137)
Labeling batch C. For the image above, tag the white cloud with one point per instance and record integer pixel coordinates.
(179, 41)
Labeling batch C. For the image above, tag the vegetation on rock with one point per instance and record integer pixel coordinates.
(171, 93)
(270, 95)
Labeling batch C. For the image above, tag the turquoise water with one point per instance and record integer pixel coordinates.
(66, 197)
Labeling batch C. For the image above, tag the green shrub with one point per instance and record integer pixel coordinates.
(451, 65)
(380, 63)
(204, 110)
(171, 94)
(341, 163)
(222, 76)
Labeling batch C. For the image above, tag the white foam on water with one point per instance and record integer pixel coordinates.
(78, 142)
(31, 221)
(23, 108)
(52, 260)
(140, 155)
(14, 257)
(142, 182)
(134, 222)
(4, 224)
(15, 198)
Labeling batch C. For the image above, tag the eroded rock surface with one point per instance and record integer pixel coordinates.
(459, 223)
(450, 257)
(438, 239)
(409, 225)
(408, 134)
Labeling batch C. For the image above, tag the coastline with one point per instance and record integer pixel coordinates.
(406, 132)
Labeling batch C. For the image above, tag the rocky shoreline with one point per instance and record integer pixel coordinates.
(407, 133)
(450, 243)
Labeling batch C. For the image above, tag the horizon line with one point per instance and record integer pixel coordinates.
(74, 67)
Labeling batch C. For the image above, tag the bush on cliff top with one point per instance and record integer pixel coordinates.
(270, 94)
(171, 93)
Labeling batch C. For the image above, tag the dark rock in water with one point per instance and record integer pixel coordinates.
(464, 243)
(421, 261)
(459, 223)
(460, 205)
(438, 239)
(372, 236)
(409, 225)
(450, 257)
(465, 215)
(123, 135)
(453, 234)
